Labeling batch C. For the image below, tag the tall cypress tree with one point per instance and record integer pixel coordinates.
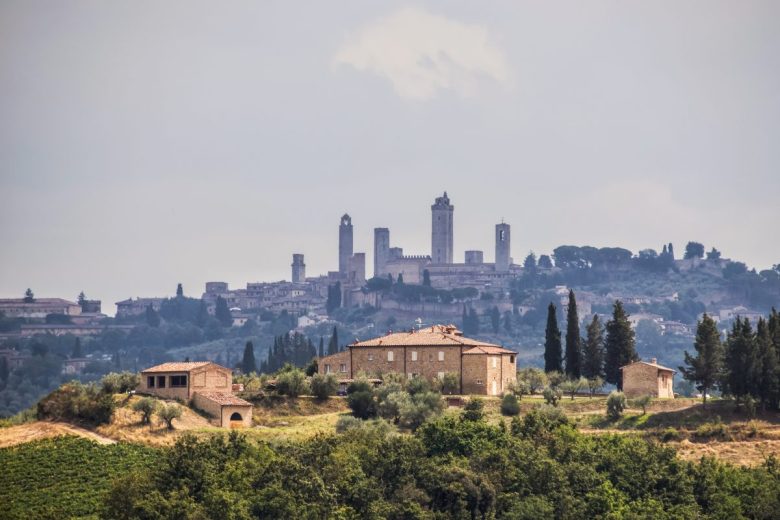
(740, 360)
(333, 344)
(76, 351)
(248, 362)
(222, 313)
(321, 350)
(573, 344)
(620, 345)
(706, 368)
(179, 291)
(593, 351)
(767, 366)
(552, 342)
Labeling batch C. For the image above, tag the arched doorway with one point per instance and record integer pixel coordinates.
(236, 417)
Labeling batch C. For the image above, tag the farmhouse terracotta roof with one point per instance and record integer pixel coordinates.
(437, 335)
(224, 398)
(178, 367)
(488, 350)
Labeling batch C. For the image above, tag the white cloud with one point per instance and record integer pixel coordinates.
(422, 53)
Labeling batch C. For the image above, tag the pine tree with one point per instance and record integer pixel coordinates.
(620, 345)
(179, 291)
(552, 342)
(706, 368)
(333, 344)
(222, 313)
(593, 351)
(76, 351)
(768, 367)
(573, 345)
(248, 363)
(81, 298)
(29, 297)
(495, 319)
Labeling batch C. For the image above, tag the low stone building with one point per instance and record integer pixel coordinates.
(204, 384)
(648, 378)
(431, 352)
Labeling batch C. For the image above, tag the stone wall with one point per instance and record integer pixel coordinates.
(641, 379)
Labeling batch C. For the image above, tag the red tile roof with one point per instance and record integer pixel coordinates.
(224, 398)
(489, 350)
(437, 335)
(656, 365)
(180, 367)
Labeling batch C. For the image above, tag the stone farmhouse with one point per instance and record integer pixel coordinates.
(648, 378)
(205, 385)
(431, 352)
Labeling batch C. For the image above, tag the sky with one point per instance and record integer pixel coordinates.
(147, 143)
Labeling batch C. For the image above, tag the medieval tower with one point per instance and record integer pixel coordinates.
(345, 244)
(298, 269)
(502, 248)
(441, 230)
(381, 251)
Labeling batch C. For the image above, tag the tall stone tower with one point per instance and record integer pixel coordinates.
(298, 269)
(441, 230)
(381, 250)
(345, 244)
(502, 248)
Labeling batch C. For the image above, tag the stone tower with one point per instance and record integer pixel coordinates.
(441, 230)
(298, 269)
(345, 243)
(502, 248)
(381, 251)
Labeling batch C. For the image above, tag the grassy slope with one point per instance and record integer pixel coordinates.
(64, 477)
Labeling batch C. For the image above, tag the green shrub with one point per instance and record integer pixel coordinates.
(534, 379)
(670, 434)
(120, 382)
(642, 402)
(552, 395)
(347, 422)
(713, 430)
(323, 386)
(474, 410)
(146, 406)
(594, 385)
(362, 403)
(616, 405)
(450, 383)
(77, 402)
(291, 383)
(572, 386)
(510, 405)
(539, 422)
(167, 413)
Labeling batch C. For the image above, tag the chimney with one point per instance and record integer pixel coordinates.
(654, 361)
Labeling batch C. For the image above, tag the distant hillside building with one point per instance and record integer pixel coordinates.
(298, 269)
(381, 251)
(474, 257)
(431, 352)
(345, 243)
(503, 258)
(648, 378)
(442, 213)
(137, 306)
(38, 308)
(205, 385)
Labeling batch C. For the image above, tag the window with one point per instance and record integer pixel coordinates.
(390, 355)
(327, 368)
(495, 362)
(512, 359)
(414, 355)
(160, 381)
(178, 381)
(370, 357)
(430, 357)
(343, 367)
(150, 382)
(441, 355)
(479, 381)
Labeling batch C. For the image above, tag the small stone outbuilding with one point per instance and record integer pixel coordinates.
(229, 410)
(648, 378)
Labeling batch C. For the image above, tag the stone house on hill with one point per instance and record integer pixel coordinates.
(204, 384)
(431, 352)
(648, 378)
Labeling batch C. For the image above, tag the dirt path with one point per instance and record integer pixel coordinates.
(33, 431)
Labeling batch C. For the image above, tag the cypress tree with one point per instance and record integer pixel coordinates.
(464, 320)
(322, 347)
(426, 278)
(705, 369)
(76, 352)
(222, 313)
(248, 363)
(620, 345)
(495, 319)
(767, 369)
(4, 372)
(573, 345)
(179, 291)
(473, 322)
(203, 314)
(552, 342)
(740, 362)
(152, 318)
(333, 344)
(593, 351)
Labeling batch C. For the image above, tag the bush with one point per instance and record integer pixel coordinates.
(594, 385)
(323, 386)
(120, 383)
(417, 385)
(552, 394)
(670, 434)
(572, 386)
(510, 405)
(642, 402)
(535, 379)
(474, 410)
(291, 383)
(347, 422)
(77, 402)
(362, 403)
(450, 383)
(147, 406)
(539, 422)
(616, 405)
(167, 413)
(420, 408)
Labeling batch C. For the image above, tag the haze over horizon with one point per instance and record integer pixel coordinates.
(145, 144)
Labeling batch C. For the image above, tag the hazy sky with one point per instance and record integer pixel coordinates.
(148, 143)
